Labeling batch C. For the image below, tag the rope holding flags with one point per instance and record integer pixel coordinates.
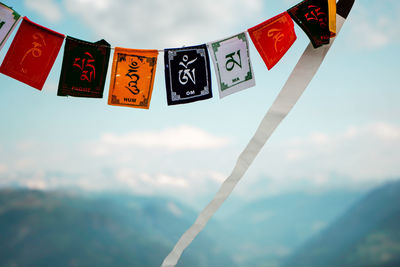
(187, 69)
(297, 82)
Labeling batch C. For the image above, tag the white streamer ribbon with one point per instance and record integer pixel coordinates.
(297, 82)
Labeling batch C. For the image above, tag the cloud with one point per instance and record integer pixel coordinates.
(375, 25)
(173, 139)
(148, 183)
(189, 186)
(48, 9)
(358, 157)
(192, 187)
(372, 34)
(162, 23)
(174, 209)
(184, 162)
(3, 169)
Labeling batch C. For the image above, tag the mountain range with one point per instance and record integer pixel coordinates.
(300, 229)
(368, 234)
(59, 229)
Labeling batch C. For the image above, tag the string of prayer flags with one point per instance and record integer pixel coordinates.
(187, 70)
(132, 77)
(32, 54)
(312, 17)
(231, 58)
(8, 20)
(273, 38)
(84, 68)
(187, 74)
(332, 17)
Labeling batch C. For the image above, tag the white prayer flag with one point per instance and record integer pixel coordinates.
(8, 21)
(232, 64)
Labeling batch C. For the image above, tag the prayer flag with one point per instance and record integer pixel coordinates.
(187, 74)
(273, 38)
(132, 77)
(312, 17)
(32, 54)
(84, 68)
(231, 58)
(8, 21)
(332, 17)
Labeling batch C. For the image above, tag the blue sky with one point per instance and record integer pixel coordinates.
(344, 133)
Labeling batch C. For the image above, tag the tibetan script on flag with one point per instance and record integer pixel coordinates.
(84, 68)
(8, 21)
(273, 38)
(312, 17)
(187, 74)
(232, 64)
(32, 54)
(132, 77)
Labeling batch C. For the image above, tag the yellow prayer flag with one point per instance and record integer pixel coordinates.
(332, 17)
(132, 77)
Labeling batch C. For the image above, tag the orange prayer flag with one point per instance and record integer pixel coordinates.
(132, 77)
(332, 17)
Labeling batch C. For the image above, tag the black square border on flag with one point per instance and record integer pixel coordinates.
(187, 74)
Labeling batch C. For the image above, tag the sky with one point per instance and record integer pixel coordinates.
(343, 134)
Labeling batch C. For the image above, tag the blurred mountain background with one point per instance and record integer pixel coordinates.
(368, 234)
(40, 228)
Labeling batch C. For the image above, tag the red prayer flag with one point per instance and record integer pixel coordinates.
(273, 38)
(32, 54)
